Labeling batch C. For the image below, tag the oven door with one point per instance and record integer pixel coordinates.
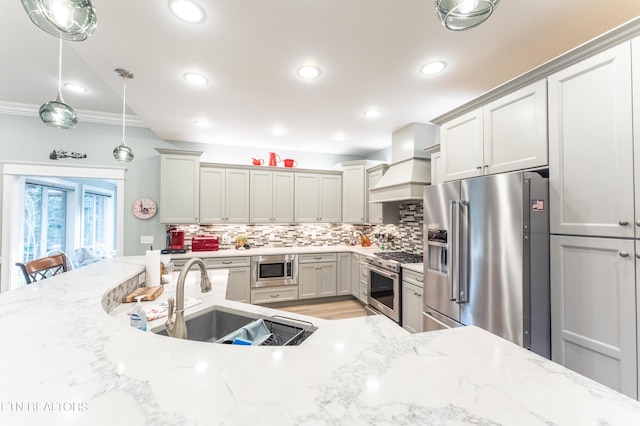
(384, 292)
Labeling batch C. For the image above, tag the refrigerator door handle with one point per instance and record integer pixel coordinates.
(462, 241)
(453, 249)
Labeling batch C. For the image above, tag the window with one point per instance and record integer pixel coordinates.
(66, 214)
(45, 220)
(97, 217)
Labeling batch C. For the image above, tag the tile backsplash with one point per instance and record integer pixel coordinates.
(405, 236)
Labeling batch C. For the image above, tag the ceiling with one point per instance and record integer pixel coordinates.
(369, 51)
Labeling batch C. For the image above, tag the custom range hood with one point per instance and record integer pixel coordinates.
(410, 168)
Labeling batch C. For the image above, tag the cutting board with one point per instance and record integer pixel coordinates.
(148, 293)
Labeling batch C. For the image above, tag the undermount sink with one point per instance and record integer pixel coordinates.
(215, 323)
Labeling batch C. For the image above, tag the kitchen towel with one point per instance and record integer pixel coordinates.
(152, 268)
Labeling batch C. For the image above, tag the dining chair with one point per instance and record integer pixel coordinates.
(42, 268)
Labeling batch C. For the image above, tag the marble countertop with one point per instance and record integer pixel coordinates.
(66, 361)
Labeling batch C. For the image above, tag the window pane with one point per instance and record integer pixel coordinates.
(32, 222)
(56, 220)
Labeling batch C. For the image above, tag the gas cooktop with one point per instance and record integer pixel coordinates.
(400, 256)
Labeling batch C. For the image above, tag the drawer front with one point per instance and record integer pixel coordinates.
(318, 257)
(227, 262)
(412, 277)
(274, 294)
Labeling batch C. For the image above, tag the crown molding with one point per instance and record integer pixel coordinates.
(86, 116)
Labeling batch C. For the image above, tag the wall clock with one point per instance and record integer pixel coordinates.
(144, 208)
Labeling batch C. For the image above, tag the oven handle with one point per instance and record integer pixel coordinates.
(384, 273)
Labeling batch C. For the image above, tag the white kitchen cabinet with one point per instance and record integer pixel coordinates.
(344, 274)
(317, 275)
(179, 186)
(318, 197)
(593, 309)
(437, 171)
(355, 275)
(266, 295)
(272, 196)
(411, 307)
(591, 148)
(507, 134)
(239, 280)
(224, 195)
(363, 293)
(354, 200)
(379, 213)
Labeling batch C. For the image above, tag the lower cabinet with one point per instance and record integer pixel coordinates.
(344, 274)
(317, 275)
(411, 301)
(264, 295)
(593, 309)
(355, 275)
(363, 290)
(238, 285)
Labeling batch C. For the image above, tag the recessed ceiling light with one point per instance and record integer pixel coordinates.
(433, 67)
(75, 87)
(278, 131)
(197, 79)
(309, 72)
(202, 124)
(339, 137)
(372, 113)
(187, 10)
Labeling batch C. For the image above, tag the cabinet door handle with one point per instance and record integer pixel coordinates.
(419, 280)
(638, 255)
(623, 253)
(417, 294)
(623, 222)
(274, 295)
(637, 222)
(317, 257)
(227, 262)
(479, 168)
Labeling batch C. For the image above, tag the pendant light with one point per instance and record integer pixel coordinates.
(459, 15)
(73, 20)
(56, 113)
(122, 152)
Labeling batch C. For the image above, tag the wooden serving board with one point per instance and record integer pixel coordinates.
(148, 293)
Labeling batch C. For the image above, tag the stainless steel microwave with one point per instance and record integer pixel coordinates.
(271, 271)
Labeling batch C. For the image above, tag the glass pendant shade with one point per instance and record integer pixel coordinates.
(73, 20)
(459, 15)
(58, 114)
(122, 152)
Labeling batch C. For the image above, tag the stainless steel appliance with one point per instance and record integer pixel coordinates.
(267, 271)
(384, 275)
(486, 257)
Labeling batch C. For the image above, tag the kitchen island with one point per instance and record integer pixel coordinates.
(65, 360)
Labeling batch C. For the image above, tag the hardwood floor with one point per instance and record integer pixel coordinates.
(332, 310)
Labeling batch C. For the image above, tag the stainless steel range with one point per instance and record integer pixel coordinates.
(384, 278)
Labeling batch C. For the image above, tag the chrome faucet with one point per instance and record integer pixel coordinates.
(177, 327)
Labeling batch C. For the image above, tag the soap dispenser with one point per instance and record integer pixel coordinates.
(138, 318)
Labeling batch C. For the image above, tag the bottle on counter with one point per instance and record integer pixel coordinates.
(138, 318)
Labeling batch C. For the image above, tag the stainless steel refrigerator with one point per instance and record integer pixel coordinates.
(486, 257)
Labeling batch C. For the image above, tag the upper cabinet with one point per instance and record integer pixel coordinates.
(179, 186)
(271, 196)
(224, 195)
(318, 197)
(591, 174)
(507, 134)
(354, 192)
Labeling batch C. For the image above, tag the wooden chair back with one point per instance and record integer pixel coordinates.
(45, 267)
